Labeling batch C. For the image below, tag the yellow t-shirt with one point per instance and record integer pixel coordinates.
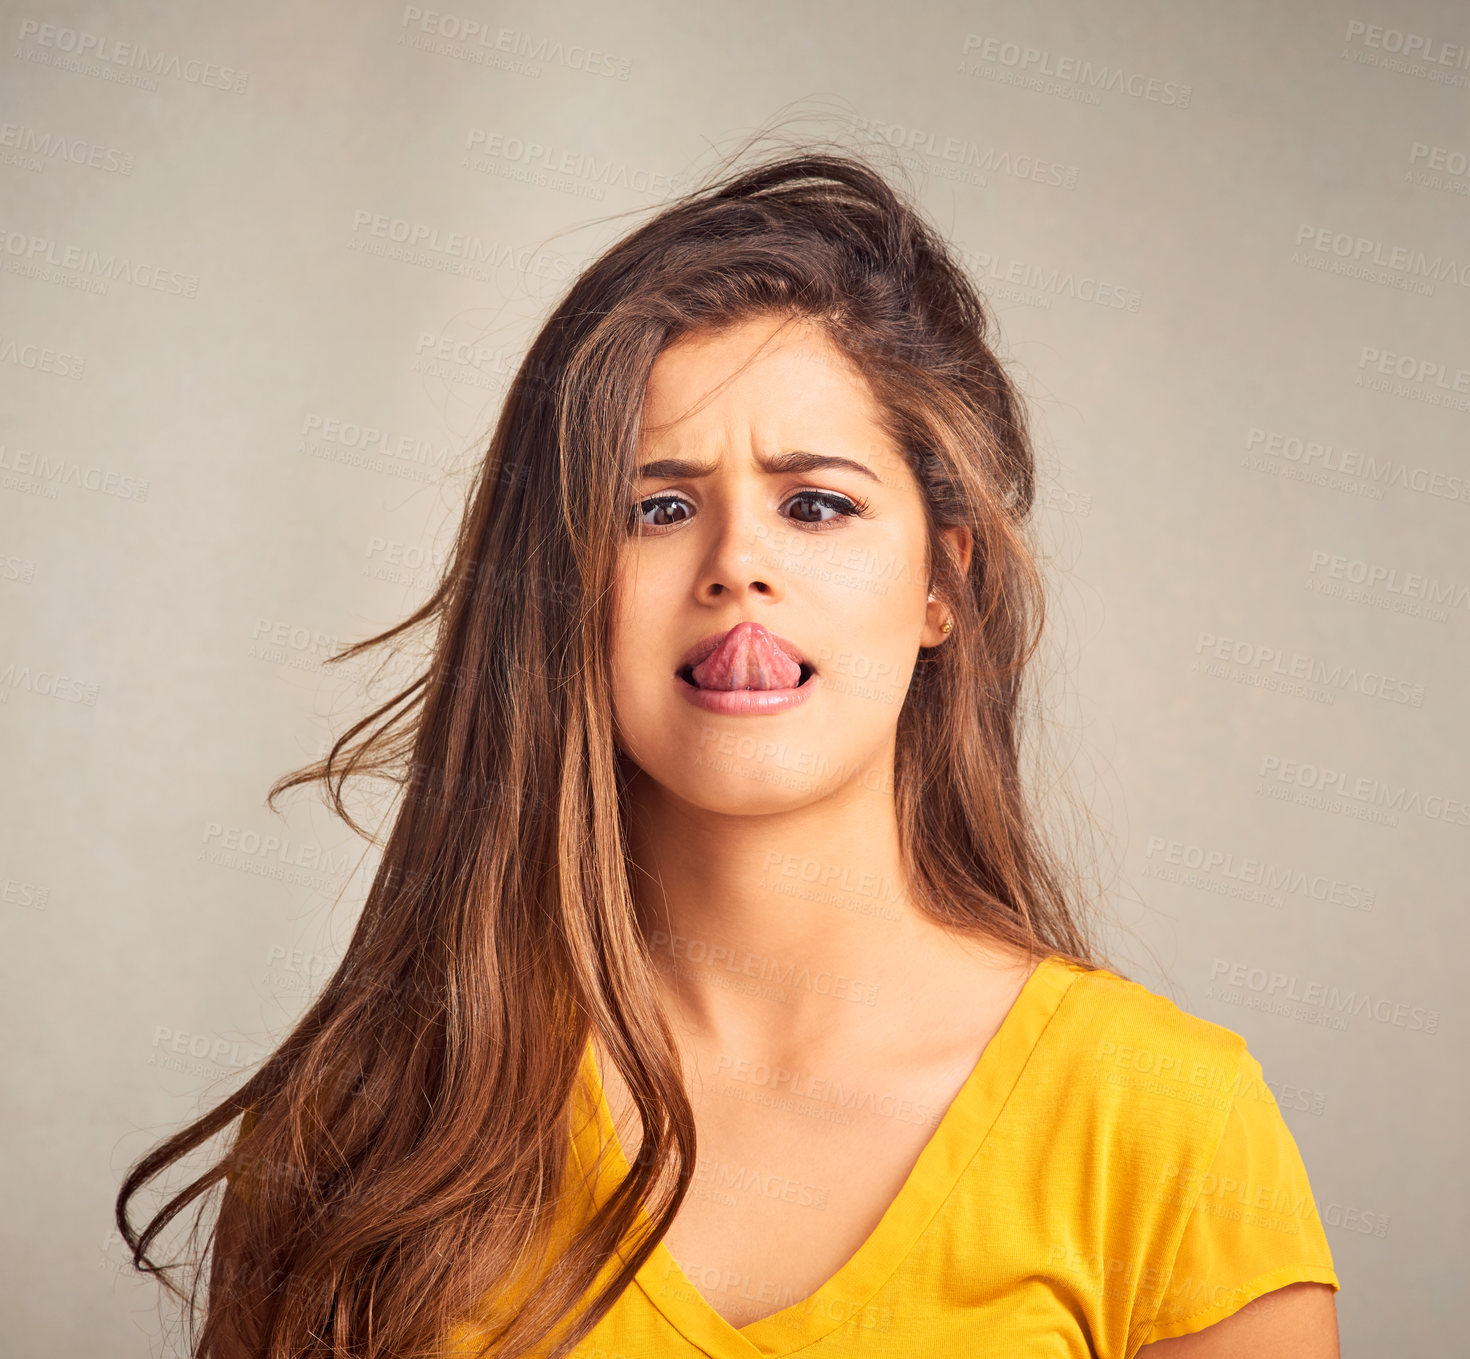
(1114, 1171)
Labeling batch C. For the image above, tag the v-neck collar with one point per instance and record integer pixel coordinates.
(956, 1140)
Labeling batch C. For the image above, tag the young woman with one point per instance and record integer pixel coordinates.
(715, 995)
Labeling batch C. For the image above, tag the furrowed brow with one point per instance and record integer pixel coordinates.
(793, 460)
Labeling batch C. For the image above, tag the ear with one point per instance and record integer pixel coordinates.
(961, 544)
(958, 542)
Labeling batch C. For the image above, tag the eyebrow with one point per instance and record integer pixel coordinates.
(794, 460)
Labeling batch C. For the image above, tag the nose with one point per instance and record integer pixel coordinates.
(741, 558)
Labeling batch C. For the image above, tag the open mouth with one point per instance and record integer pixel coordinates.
(747, 656)
(686, 673)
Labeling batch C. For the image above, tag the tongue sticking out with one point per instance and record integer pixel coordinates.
(747, 658)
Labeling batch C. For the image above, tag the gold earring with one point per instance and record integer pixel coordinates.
(948, 624)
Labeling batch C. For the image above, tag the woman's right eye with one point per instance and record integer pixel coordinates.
(659, 504)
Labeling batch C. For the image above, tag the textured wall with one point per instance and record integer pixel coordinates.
(267, 269)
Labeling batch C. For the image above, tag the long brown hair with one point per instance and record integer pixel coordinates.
(409, 1137)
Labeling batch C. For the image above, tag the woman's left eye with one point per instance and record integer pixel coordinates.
(840, 504)
(842, 507)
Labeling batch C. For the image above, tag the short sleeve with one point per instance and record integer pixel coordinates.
(1254, 1226)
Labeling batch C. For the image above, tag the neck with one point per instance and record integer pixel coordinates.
(787, 931)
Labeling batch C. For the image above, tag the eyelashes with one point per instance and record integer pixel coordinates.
(845, 507)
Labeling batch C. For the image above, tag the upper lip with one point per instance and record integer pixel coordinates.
(706, 646)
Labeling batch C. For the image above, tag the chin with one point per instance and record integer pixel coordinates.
(741, 794)
(741, 766)
(737, 776)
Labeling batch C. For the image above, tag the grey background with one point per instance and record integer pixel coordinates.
(1255, 468)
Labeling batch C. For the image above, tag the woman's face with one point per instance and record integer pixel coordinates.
(827, 555)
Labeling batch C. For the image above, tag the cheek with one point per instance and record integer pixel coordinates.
(628, 610)
(873, 661)
(646, 602)
(636, 638)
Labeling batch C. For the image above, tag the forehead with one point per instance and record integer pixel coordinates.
(768, 375)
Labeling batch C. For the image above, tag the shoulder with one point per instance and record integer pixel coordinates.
(1136, 1077)
(1140, 1040)
(1171, 1173)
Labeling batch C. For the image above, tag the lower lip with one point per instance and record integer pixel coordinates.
(742, 702)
